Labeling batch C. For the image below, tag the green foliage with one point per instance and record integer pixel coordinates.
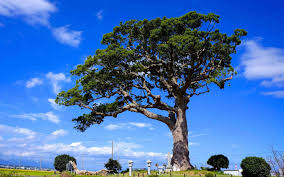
(180, 57)
(60, 162)
(153, 175)
(125, 171)
(255, 167)
(209, 175)
(218, 162)
(113, 165)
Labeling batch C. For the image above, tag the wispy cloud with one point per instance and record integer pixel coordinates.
(56, 79)
(27, 133)
(99, 15)
(59, 132)
(128, 125)
(277, 94)
(33, 82)
(39, 12)
(265, 64)
(140, 124)
(50, 116)
(191, 135)
(66, 36)
(193, 144)
(53, 104)
(33, 11)
(113, 126)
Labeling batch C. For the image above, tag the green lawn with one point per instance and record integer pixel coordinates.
(19, 172)
(26, 172)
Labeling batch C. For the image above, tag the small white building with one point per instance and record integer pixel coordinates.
(233, 172)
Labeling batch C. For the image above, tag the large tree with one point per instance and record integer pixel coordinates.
(150, 65)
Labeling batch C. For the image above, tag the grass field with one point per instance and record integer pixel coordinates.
(18, 172)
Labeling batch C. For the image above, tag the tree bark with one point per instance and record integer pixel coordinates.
(180, 159)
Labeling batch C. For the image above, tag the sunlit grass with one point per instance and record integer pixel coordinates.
(190, 173)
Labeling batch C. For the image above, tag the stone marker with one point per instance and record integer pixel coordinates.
(130, 164)
(149, 166)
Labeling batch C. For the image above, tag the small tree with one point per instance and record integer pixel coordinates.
(276, 161)
(255, 167)
(218, 162)
(60, 162)
(113, 165)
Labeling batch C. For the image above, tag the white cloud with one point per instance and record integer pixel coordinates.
(1, 138)
(19, 154)
(113, 127)
(193, 144)
(33, 11)
(53, 104)
(38, 12)
(140, 124)
(263, 63)
(197, 135)
(67, 36)
(27, 133)
(59, 132)
(56, 79)
(50, 116)
(19, 145)
(24, 131)
(123, 148)
(128, 125)
(99, 14)
(33, 82)
(277, 94)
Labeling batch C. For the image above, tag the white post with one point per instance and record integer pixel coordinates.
(149, 166)
(130, 164)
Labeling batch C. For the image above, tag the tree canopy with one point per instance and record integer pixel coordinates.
(113, 165)
(255, 167)
(60, 162)
(218, 162)
(152, 64)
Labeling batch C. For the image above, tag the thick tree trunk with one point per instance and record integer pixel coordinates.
(180, 159)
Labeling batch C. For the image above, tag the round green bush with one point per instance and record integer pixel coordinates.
(255, 167)
(60, 162)
(218, 162)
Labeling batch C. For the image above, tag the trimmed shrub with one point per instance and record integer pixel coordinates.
(218, 162)
(255, 167)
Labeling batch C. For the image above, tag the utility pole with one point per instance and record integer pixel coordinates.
(40, 164)
(82, 163)
(112, 151)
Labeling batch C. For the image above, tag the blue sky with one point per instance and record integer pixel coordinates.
(42, 40)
